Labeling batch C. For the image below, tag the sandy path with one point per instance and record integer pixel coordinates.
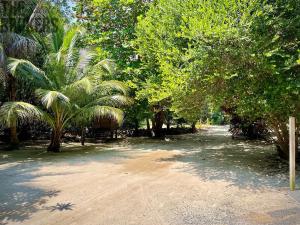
(146, 189)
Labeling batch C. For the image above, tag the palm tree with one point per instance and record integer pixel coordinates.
(16, 41)
(72, 90)
(14, 112)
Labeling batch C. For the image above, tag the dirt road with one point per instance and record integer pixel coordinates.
(145, 183)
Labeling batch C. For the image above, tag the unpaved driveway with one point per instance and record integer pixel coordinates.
(191, 179)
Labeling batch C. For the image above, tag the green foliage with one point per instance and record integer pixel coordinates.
(72, 92)
(175, 45)
(23, 25)
(110, 25)
(12, 113)
(184, 57)
(69, 91)
(239, 54)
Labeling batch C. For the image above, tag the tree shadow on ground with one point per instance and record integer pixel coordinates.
(61, 207)
(215, 156)
(18, 199)
(252, 170)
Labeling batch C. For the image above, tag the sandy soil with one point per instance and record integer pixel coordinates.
(136, 187)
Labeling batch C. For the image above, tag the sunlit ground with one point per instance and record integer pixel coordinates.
(204, 178)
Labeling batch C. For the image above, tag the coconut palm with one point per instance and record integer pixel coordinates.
(72, 90)
(14, 112)
(16, 41)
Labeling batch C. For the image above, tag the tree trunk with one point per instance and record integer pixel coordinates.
(297, 141)
(159, 121)
(14, 141)
(283, 150)
(148, 124)
(282, 142)
(168, 125)
(194, 130)
(148, 127)
(82, 139)
(55, 141)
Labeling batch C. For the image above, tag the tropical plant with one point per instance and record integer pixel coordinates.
(72, 91)
(19, 39)
(14, 43)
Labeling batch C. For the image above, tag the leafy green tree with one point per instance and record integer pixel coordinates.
(256, 72)
(110, 25)
(241, 55)
(267, 85)
(172, 46)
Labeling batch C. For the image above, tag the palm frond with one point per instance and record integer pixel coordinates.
(69, 41)
(95, 112)
(48, 118)
(78, 87)
(113, 86)
(50, 59)
(108, 65)
(20, 45)
(48, 98)
(24, 69)
(67, 44)
(14, 112)
(42, 42)
(115, 100)
(70, 37)
(56, 39)
(85, 57)
(69, 54)
(72, 54)
(2, 55)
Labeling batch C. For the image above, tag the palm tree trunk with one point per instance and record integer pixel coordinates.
(55, 141)
(14, 141)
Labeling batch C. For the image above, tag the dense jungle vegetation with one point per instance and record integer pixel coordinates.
(149, 63)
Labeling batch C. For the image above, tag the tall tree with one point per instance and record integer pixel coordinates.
(239, 54)
(110, 25)
(16, 41)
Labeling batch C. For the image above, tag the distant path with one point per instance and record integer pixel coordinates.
(204, 178)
